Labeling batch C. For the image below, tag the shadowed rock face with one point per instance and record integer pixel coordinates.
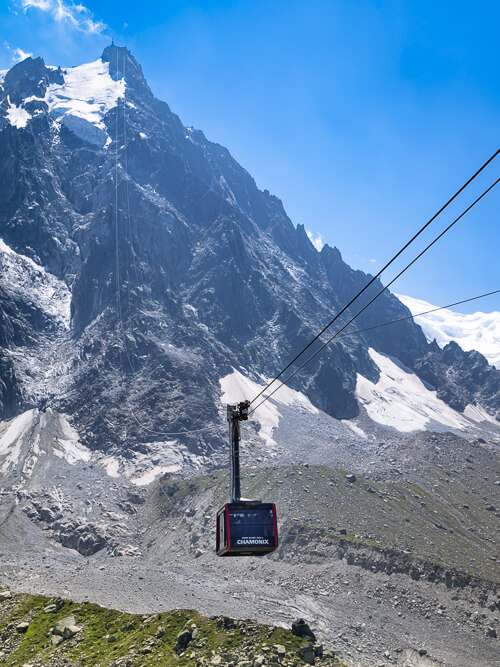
(179, 268)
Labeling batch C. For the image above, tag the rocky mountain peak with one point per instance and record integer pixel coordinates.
(122, 64)
(30, 78)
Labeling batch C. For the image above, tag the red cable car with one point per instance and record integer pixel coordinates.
(247, 528)
(244, 527)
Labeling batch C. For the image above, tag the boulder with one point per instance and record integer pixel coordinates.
(53, 606)
(22, 627)
(183, 639)
(5, 595)
(307, 653)
(301, 629)
(66, 627)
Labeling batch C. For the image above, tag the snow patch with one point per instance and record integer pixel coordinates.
(112, 466)
(237, 387)
(70, 447)
(28, 278)
(17, 116)
(476, 331)
(354, 428)
(401, 400)
(143, 135)
(11, 434)
(166, 457)
(478, 414)
(155, 472)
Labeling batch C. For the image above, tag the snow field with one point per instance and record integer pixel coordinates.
(80, 103)
(237, 387)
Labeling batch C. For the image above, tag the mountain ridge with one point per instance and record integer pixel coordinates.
(193, 252)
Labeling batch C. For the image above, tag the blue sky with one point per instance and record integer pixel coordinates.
(363, 116)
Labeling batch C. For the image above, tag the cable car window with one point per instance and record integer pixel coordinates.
(222, 529)
(251, 526)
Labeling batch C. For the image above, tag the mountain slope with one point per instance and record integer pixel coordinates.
(178, 267)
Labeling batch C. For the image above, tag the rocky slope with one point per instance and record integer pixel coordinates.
(388, 547)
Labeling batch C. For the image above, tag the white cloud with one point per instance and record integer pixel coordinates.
(17, 54)
(473, 331)
(372, 261)
(317, 240)
(74, 15)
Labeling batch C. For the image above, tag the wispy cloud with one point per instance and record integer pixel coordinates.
(17, 54)
(316, 239)
(77, 16)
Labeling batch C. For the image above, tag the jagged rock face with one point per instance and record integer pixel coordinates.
(178, 268)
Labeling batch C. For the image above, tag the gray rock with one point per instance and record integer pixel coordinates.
(350, 478)
(318, 650)
(22, 627)
(301, 629)
(53, 606)
(307, 654)
(66, 627)
(183, 639)
(5, 595)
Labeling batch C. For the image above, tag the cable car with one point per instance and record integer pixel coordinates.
(247, 528)
(244, 527)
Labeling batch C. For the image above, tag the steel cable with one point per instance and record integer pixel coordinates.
(287, 379)
(370, 282)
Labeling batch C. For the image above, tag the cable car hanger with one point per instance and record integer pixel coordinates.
(244, 527)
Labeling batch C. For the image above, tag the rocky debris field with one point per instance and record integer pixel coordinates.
(388, 545)
(35, 630)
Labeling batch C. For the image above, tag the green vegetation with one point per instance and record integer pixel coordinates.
(109, 637)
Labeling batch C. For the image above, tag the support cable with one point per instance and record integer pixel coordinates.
(287, 379)
(391, 261)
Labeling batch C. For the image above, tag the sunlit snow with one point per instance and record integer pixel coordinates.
(478, 414)
(70, 447)
(80, 103)
(150, 475)
(237, 387)
(401, 400)
(476, 331)
(354, 428)
(112, 466)
(17, 116)
(11, 433)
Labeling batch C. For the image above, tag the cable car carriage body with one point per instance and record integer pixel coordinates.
(247, 528)
(244, 527)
